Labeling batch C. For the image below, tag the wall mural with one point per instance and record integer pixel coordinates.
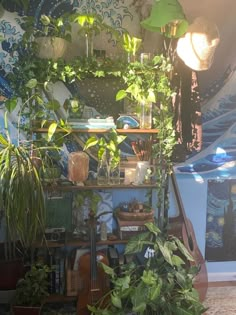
(218, 155)
(221, 220)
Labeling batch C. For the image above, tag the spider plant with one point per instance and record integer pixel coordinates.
(21, 191)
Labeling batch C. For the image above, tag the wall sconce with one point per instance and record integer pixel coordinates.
(167, 17)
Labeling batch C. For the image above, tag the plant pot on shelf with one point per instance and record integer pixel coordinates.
(51, 47)
(135, 216)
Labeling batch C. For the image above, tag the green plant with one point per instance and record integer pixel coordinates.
(91, 24)
(48, 26)
(110, 144)
(131, 45)
(150, 82)
(33, 288)
(91, 196)
(21, 192)
(161, 282)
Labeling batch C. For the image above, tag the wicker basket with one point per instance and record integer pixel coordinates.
(135, 216)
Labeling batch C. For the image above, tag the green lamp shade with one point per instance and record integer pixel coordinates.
(167, 17)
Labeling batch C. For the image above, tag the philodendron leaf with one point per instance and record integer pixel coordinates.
(116, 301)
(51, 130)
(183, 249)
(31, 83)
(121, 94)
(108, 270)
(155, 292)
(11, 104)
(166, 253)
(53, 105)
(123, 283)
(45, 20)
(149, 277)
(137, 242)
(153, 228)
(177, 261)
(92, 141)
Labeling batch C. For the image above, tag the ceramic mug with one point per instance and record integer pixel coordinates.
(143, 169)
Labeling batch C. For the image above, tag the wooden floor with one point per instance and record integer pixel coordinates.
(221, 298)
(221, 284)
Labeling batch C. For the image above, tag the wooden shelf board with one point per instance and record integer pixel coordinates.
(126, 131)
(76, 242)
(93, 185)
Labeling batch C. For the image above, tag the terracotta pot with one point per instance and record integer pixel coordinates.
(51, 47)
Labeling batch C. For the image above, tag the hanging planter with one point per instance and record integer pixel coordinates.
(51, 47)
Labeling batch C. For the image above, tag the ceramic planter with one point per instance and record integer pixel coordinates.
(51, 47)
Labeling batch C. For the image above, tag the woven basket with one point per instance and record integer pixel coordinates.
(134, 216)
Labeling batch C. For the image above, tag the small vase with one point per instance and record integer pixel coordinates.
(102, 171)
(89, 44)
(145, 116)
(114, 174)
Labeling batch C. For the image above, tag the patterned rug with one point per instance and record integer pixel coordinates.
(221, 301)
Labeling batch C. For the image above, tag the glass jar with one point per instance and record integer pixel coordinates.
(145, 115)
(102, 171)
(114, 173)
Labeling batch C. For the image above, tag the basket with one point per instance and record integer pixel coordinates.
(135, 216)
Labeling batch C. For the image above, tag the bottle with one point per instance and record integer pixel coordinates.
(103, 231)
(102, 171)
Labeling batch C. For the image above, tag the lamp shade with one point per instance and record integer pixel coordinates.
(164, 15)
(197, 47)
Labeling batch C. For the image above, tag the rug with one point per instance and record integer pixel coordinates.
(221, 301)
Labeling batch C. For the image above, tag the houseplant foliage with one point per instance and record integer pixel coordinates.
(108, 152)
(48, 27)
(33, 288)
(157, 281)
(21, 192)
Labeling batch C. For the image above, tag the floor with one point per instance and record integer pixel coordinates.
(221, 299)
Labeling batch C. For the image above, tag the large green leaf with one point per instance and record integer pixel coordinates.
(11, 104)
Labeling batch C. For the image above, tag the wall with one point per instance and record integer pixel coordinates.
(217, 86)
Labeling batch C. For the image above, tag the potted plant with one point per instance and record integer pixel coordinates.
(21, 192)
(91, 25)
(51, 36)
(157, 281)
(31, 291)
(108, 155)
